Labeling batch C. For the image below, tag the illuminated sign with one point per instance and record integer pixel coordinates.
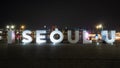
(40, 36)
(26, 38)
(0, 35)
(56, 40)
(106, 36)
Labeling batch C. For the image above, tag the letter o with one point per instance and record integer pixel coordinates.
(56, 40)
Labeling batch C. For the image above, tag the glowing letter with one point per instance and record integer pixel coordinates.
(26, 38)
(76, 37)
(0, 35)
(108, 37)
(39, 37)
(86, 37)
(56, 40)
(11, 37)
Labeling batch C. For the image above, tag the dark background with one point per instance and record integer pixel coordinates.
(75, 13)
(84, 14)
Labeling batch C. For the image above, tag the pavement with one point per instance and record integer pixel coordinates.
(59, 56)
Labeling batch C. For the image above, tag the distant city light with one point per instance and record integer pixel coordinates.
(100, 26)
(45, 26)
(22, 27)
(7, 26)
(12, 26)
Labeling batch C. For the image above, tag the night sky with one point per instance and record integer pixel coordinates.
(35, 14)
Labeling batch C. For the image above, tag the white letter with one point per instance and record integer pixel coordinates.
(26, 38)
(39, 37)
(0, 35)
(106, 36)
(86, 37)
(76, 37)
(56, 40)
(11, 37)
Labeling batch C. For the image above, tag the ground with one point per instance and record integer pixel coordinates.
(59, 56)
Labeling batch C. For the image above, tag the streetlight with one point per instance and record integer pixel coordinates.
(7, 26)
(22, 27)
(100, 26)
(10, 27)
(97, 27)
